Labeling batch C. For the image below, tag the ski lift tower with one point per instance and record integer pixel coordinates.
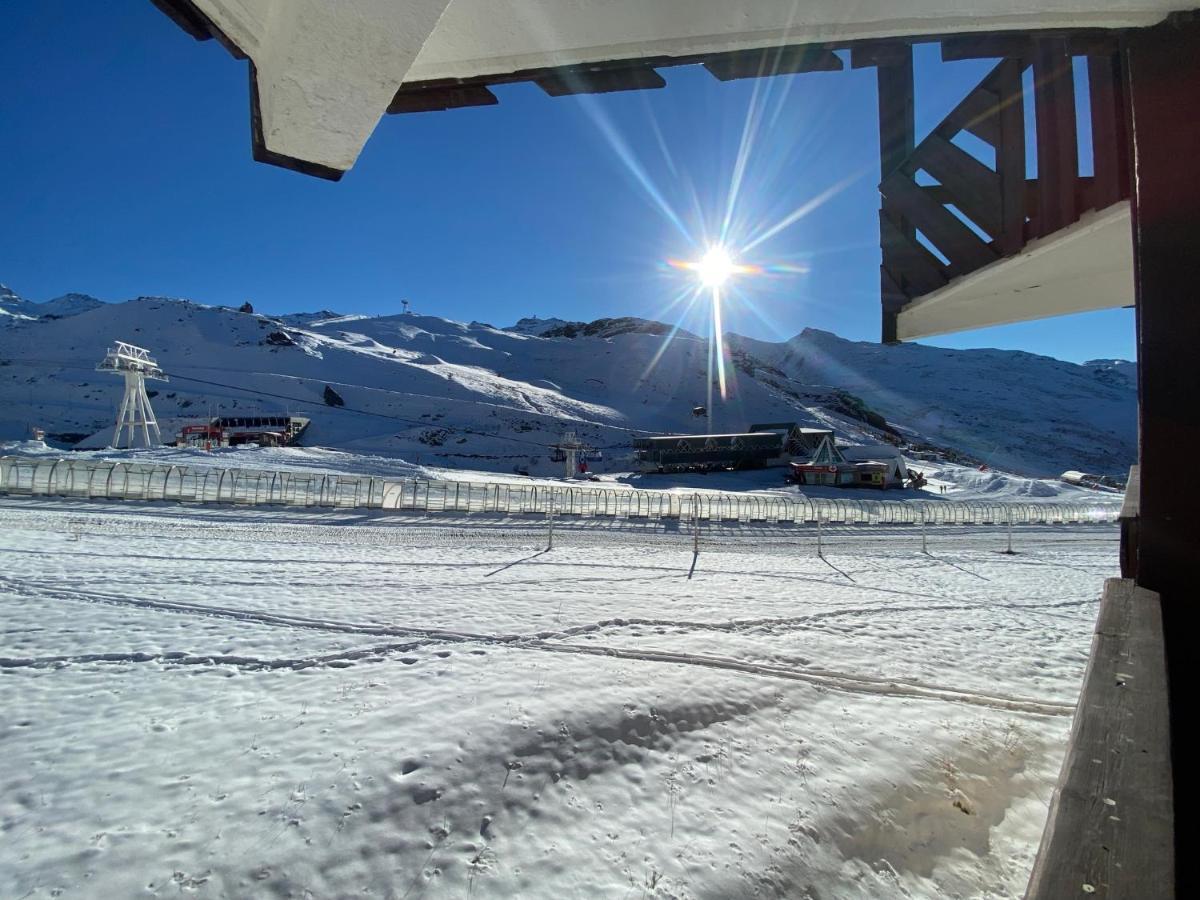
(567, 451)
(136, 365)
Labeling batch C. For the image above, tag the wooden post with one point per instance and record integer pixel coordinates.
(1010, 157)
(1110, 136)
(1057, 151)
(897, 133)
(1163, 65)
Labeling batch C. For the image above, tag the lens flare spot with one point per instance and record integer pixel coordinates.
(715, 267)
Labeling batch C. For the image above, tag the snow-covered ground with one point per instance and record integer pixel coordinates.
(226, 702)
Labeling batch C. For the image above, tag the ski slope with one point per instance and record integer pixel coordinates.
(455, 395)
(222, 702)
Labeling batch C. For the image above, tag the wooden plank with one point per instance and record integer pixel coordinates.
(987, 46)
(976, 113)
(1020, 45)
(1100, 42)
(435, 99)
(1131, 504)
(1109, 832)
(897, 238)
(773, 61)
(974, 187)
(965, 250)
(893, 301)
(1010, 155)
(564, 82)
(865, 54)
(894, 297)
(915, 270)
(897, 123)
(184, 14)
(1110, 139)
(1130, 513)
(1057, 153)
(1163, 65)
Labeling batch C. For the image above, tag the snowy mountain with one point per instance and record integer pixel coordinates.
(1013, 410)
(476, 396)
(14, 307)
(1119, 372)
(537, 326)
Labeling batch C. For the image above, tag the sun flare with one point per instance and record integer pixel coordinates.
(715, 267)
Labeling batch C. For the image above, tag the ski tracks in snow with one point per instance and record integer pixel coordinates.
(553, 642)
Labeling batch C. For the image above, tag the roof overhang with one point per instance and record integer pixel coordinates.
(1086, 266)
(324, 73)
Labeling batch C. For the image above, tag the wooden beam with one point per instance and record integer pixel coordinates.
(911, 267)
(974, 187)
(186, 16)
(436, 99)
(1010, 155)
(976, 113)
(1020, 45)
(773, 61)
(1109, 832)
(564, 82)
(1163, 66)
(885, 54)
(897, 123)
(986, 46)
(1110, 137)
(897, 130)
(894, 298)
(1130, 515)
(957, 242)
(1057, 153)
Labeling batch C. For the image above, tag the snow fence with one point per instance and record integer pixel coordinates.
(130, 480)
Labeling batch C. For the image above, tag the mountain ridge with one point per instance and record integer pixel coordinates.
(473, 395)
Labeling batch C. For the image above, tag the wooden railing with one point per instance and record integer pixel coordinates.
(945, 213)
(1111, 826)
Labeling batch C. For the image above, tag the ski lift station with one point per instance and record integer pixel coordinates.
(811, 454)
(231, 431)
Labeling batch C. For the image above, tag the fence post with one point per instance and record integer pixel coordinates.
(820, 549)
(924, 541)
(550, 518)
(1008, 521)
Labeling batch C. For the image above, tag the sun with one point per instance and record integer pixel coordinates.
(715, 267)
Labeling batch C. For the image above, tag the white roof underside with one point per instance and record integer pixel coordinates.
(1084, 267)
(326, 72)
(486, 37)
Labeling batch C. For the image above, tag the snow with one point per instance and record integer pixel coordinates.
(471, 396)
(223, 702)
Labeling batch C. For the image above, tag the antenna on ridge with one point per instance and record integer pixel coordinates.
(136, 365)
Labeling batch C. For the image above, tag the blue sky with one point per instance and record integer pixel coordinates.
(126, 170)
